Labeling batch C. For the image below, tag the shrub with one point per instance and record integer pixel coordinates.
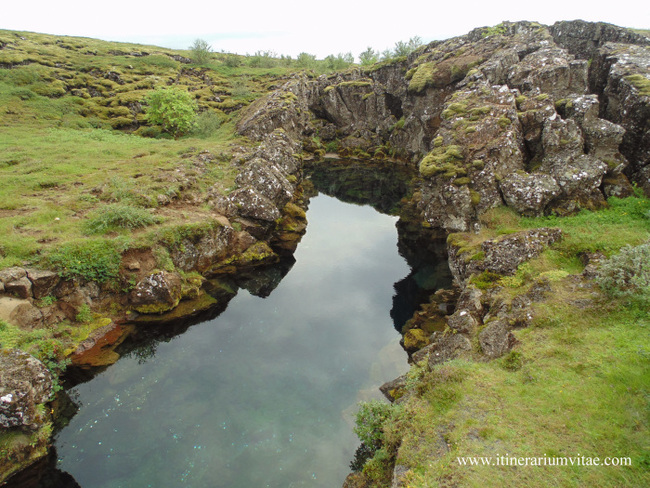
(370, 422)
(368, 57)
(201, 51)
(173, 109)
(627, 273)
(84, 316)
(207, 124)
(118, 216)
(93, 260)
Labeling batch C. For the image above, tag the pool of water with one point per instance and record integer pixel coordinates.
(263, 395)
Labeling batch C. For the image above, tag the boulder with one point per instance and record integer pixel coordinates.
(462, 321)
(43, 282)
(448, 346)
(503, 255)
(22, 288)
(157, 293)
(496, 339)
(11, 274)
(529, 194)
(267, 179)
(25, 383)
(251, 203)
(20, 312)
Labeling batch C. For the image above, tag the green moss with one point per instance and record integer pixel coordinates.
(504, 122)
(496, 30)
(455, 108)
(462, 181)
(422, 77)
(399, 124)
(641, 83)
(478, 164)
(442, 159)
(485, 280)
(541, 97)
(475, 197)
(480, 111)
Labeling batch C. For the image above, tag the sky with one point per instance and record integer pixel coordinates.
(290, 27)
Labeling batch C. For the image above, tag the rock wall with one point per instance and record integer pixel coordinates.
(542, 119)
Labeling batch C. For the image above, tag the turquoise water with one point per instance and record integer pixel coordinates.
(263, 395)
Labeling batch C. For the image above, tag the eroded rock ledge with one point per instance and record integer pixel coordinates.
(542, 119)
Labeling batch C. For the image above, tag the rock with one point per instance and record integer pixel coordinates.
(529, 194)
(501, 255)
(470, 300)
(26, 316)
(414, 339)
(71, 303)
(25, 383)
(267, 180)
(552, 70)
(22, 288)
(495, 339)
(200, 252)
(448, 346)
(20, 312)
(280, 151)
(393, 390)
(250, 203)
(504, 255)
(462, 321)
(620, 71)
(11, 274)
(399, 476)
(584, 39)
(43, 282)
(617, 186)
(157, 293)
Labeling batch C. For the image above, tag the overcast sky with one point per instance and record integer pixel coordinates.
(294, 26)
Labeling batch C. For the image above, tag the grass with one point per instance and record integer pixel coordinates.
(577, 384)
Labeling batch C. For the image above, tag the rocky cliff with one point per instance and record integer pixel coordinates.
(542, 119)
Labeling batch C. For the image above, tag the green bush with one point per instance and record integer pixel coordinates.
(118, 216)
(627, 273)
(201, 51)
(173, 109)
(93, 260)
(84, 316)
(368, 57)
(207, 124)
(370, 422)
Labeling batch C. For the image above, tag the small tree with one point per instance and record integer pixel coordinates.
(368, 57)
(306, 60)
(173, 109)
(201, 51)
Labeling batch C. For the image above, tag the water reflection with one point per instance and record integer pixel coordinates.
(262, 391)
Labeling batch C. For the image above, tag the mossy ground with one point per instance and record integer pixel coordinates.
(576, 384)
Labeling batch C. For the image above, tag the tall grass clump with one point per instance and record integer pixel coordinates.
(118, 216)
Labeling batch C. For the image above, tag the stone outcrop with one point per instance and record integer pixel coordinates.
(25, 383)
(501, 255)
(542, 119)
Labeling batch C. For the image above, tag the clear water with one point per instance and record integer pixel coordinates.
(264, 395)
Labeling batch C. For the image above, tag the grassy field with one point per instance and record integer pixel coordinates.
(71, 122)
